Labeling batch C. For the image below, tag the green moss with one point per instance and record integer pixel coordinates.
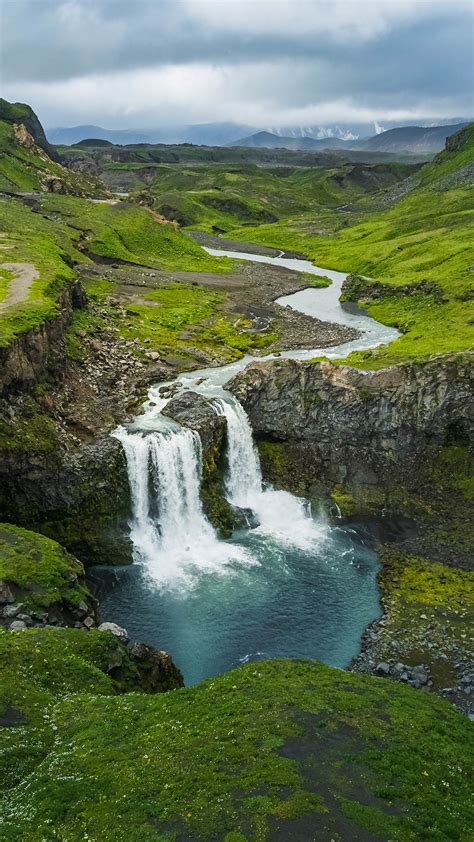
(429, 583)
(41, 571)
(276, 464)
(423, 239)
(344, 501)
(216, 506)
(260, 747)
(428, 613)
(31, 431)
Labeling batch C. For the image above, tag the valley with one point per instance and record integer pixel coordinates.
(235, 419)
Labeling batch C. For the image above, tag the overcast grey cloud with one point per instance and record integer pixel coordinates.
(280, 62)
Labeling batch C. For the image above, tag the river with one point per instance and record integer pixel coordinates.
(294, 586)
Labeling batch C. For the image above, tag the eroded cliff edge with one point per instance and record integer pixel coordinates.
(391, 449)
(374, 441)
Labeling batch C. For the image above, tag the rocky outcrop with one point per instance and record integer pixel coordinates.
(81, 499)
(196, 412)
(357, 429)
(41, 584)
(40, 353)
(156, 670)
(22, 115)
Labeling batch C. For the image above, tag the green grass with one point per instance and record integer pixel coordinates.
(261, 747)
(40, 571)
(50, 235)
(6, 277)
(428, 235)
(131, 233)
(36, 241)
(181, 315)
(25, 169)
(223, 196)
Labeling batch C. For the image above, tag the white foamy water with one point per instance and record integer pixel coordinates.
(171, 535)
(283, 516)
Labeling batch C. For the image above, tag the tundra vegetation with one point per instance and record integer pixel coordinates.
(272, 749)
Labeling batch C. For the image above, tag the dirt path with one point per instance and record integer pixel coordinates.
(24, 275)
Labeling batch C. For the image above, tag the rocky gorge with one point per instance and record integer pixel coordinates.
(275, 511)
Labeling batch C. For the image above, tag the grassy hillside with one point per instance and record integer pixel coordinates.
(55, 232)
(25, 162)
(269, 750)
(220, 196)
(420, 250)
(38, 570)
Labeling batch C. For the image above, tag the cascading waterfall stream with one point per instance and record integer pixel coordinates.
(171, 535)
(292, 586)
(282, 515)
(243, 479)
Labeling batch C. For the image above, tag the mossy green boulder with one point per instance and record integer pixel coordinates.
(40, 574)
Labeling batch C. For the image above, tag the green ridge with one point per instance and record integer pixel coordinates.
(284, 745)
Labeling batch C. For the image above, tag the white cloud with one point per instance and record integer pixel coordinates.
(259, 94)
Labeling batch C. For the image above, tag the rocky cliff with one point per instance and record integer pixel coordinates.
(367, 436)
(76, 495)
(40, 352)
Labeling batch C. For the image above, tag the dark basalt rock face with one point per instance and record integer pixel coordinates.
(196, 412)
(81, 499)
(40, 353)
(156, 670)
(357, 429)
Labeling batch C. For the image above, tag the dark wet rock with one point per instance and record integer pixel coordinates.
(6, 593)
(369, 440)
(17, 625)
(197, 413)
(11, 610)
(81, 499)
(245, 518)
(156, 670)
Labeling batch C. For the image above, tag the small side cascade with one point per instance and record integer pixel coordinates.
(243, 479)
(280, 514)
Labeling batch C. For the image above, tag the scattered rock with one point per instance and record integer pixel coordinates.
(89, 622)
(6, 594)
(118, 631)
(17, 625)
(157, 671)
(12, 610)
(383, 668)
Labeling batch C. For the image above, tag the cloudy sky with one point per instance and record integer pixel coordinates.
(145, 63)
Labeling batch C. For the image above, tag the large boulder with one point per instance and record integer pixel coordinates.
(198, 413)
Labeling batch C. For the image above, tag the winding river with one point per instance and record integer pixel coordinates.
(293, 586)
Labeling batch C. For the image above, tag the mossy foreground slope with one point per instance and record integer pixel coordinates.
(271, 751)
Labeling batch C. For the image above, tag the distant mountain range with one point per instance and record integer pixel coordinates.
(273, 141)
(335, 136)
(406, 139)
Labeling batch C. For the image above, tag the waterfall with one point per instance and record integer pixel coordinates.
(171, 535)
(282, 515)
(243, 479)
